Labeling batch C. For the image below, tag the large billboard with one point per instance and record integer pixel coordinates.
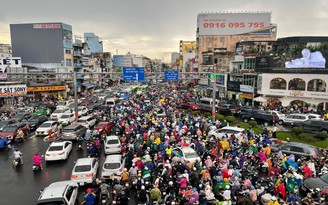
(233, 23)
(12, 90)
(122, 60)
(67, 36)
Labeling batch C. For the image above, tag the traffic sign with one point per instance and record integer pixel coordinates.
(171, 75)
(133, 74)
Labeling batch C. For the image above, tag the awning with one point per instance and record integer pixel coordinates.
(246, 96)
(260, 99)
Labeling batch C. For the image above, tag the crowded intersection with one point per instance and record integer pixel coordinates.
(145, 147)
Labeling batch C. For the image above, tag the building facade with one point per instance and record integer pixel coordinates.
(43, 45)
(94, 43)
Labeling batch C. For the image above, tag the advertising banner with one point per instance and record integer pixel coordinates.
(246, 88)
(12, 90)
(122, 60)
(219, 79)
(46, 88)
(233, 23)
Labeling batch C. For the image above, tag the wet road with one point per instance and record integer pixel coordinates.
(22, 186)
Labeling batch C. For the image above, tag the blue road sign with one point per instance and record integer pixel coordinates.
(171, 75)
(133, 74)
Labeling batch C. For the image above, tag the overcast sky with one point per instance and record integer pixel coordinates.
(155, 27)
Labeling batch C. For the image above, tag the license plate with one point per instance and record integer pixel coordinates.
(40, 133)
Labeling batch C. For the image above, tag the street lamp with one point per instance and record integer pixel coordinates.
(214, 95)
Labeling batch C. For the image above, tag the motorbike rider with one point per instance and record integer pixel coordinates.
(37, 160)
(155, 193)
(194, 177)
(142, 196)
(125, 176)
(133, 172)
(89, 198)
(18, 156)
(104, 189)
(117, 187)
(194, 196)
(146, 174)
(21, 134)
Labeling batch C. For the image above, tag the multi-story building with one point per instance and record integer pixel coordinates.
(222, 31)
(94, 42)
(5, 50)
(175, 59)
(43, 45)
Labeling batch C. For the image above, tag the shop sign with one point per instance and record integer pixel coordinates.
(296, 93)
(46, 88)
(6, 91)
(246, 88)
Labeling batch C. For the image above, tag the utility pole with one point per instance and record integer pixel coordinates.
(214, 95)
(253, 92)
(75, 96)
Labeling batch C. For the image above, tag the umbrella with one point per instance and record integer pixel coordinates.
(260, 99)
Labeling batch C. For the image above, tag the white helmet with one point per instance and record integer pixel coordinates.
(171, 183)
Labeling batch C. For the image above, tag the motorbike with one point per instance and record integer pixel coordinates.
(16, 163)
(36, 167)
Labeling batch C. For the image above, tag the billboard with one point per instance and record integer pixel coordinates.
(122, 60)
(67, 36)
(10, 90)
(219, 79)
(308, 60)
(233, 23)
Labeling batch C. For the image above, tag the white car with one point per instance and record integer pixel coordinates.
(67, 119)
(82, 111)
(44, 128)
(113, 164)
(58, 151)
(62, 192)
(186, 154)
(85, 171)
(59, 112)
(220, 133)
(281, 117)
(86, 121)
(112, 144)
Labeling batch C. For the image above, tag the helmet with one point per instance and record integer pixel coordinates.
(125, 169)
(225, 180)
(317, 189)
(139, 158)
(36, 153)
(273, 198)
(143, 187)
(16, 149)
(195, 189)
(171, 183)
(89, 190)
(227, 187)
(146, 168)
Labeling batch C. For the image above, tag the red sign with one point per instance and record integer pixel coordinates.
(47, 25)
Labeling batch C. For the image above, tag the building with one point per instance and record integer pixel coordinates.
(222, 31)
(43, 45)
(94, 43)
(5, 50)
(296, 73)
(175, 59)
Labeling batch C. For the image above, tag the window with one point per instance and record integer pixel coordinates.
(69, 193)
(69, 62)
(285, 148)
(297, 149)
(316, 85)
(68, 51)
(278, 83)
(296, 84)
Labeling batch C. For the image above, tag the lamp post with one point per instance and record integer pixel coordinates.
(214, 95)
(75, 96)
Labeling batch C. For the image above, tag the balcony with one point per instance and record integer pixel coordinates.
(77, 53)
(77, 65)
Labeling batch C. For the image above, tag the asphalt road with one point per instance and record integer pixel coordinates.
(21, 186)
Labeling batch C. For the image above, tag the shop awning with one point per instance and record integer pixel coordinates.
(246, 96)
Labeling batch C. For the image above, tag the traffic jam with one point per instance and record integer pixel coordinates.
(160, 144)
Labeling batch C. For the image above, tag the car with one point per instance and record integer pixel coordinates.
(58, 151)
(5, 123)
(82, 111)
(72, 132)
(297, 118)
(61, 104)
(22, 116)
(186, 154)
(260, 116)
(45, 127)
(104, 126)
(86, 121)
(320, 182)
(312, 125)
(85, 170)
(297, 149)
(10, 131)
(113, 164)
(66, 119)
(59, 112)
(280, 116)
(228, 130)
(42, 111)
(227, 109)
(62, 192)
(35, 121)
(112, 144)
(190, 105)
(85, 102)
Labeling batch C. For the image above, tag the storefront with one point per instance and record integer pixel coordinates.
(233, 90)
(56, 91)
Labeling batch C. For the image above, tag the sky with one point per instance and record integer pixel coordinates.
(153, 28)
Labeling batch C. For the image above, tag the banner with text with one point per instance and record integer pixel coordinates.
(12, 90)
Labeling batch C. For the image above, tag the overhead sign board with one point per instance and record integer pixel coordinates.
(171, 75)
(232, 23)
(133, 74)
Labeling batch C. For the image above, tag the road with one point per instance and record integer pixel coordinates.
(22, 186)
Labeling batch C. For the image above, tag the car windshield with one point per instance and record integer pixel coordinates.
(46, 125)
(9, 129)
(3, 123)
(61, 103)
(65, 116)
(81, 121)
(80, 109)
(82, 168)
(55, 148)
(58, 111)
(191, 154)
(39, 109)
(68, 130)
(112, 165)
(18, 115)
(324, 178)
(112, 142)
